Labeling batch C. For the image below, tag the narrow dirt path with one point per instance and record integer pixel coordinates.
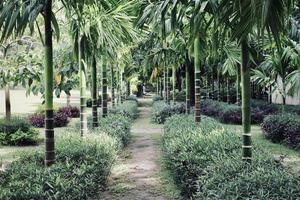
(136, 174)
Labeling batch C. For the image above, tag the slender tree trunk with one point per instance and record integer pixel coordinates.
(49, 121)
(213, 86)
(238, 83)
(68, 100)
(173, 83)
(128, 88)
(94, 93)
(283, 94)
(197, 79)
(246, 96)
(207, 86)
(161, 87)
(228, 90)
(122, 86)
(112, 86)
(82, 83)
(168, 86)
(270, 94)
(7, 103)
(188, 90)
(104, 87)
(165, 84)
(219, 86)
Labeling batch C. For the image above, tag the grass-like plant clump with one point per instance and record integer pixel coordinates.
(82, 167)
(17, 131)
(161, 111)
(128, 108)
(205, 161)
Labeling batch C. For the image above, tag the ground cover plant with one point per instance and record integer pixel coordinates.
(17, 131)
(283, 128)
(82, 167)
(205, 162)
(128, 108)
(161, 111)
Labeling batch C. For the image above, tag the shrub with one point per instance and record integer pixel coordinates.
(82, 166)
(279, 128)
(38, 120)
(132, 98)
(17, 131)
(61, 119)
(127, 108)
(205, 162)
(157, 98)
(75, 112)
(161, 111)
(66, 110)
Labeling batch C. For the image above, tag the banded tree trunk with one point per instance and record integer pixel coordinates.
(188, 90)
(161, 87)
(82, 83)
(197, 79)
(94, 94)
(7, 103)
(128, 88)
(104, 87)
(246, 95)
(270, 94)
(112, 86)
(68, 100)
(173, 83)
(49, 121)
(165, 84)
(219, 85)
(228, 90)
(238, 84)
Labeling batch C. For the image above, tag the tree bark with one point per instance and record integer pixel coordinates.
(7, 103)
(49, 121)
(173, 83)
(104, 87)
(112, 86)
(228, 90)
(82, 83)
(246, 96)
(187, 85)
(197, 79)
(238, 83)
(94, 94)
(68, 100)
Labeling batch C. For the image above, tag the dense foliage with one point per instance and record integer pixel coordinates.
(161, 111)
(205, 162)
(283, 128)
(17, 131)
(128, 108)
(82, 166)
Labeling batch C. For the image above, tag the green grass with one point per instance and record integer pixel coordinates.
(291, 158)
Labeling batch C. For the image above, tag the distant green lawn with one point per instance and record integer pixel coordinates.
(291, 157)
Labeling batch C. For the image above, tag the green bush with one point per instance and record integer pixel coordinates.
(82, 167)
(132, 98)
(128, 108)
(161, 111)
(17, 131)
(205, 161)
(157, 98)
(282, 128)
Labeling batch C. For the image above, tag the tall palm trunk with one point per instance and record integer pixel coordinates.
(82, 84)
(197, 79)
(121, 87)
(49, 122)
(104, 88)
(165, 84)
(7, 103)
(228, 90)
(246, 95)
(128, 88)
(238, 83)
(219, 85)
(173, 83)
(168, 86)
(68, 100)
(94, 93)
(270, 94)
(188, 90)
(112, 72)
(161, 87)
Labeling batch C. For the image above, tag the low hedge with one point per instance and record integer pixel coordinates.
(128, 108)
(17, 131)
(61, 119)
(205, 162)
(157, 98)
(161, 111)
(82, 167)
(232, 114)
(283, 128)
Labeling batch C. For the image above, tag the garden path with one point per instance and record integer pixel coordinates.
(136, 174)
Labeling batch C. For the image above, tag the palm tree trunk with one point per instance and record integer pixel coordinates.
(68, 100)
(228, 90)
(168, 86)
(121, 87)
(82, 83)
(7, 104)
(246, 96)
(173, 83)
(188, 90)
(219, 86)
(94, 93)
(104, 87)
(213, 86)
(165, 84)
(161, 87)
(238, 83)
(128, 88)
(112, 86)
(197, 79)
(270, 94)
(49, 121)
